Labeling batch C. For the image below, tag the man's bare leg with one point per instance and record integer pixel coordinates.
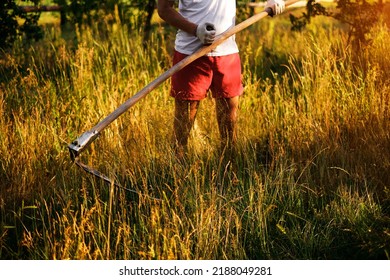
(185, 113)
(227, 109)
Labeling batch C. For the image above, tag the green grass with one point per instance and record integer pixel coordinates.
(310, 180)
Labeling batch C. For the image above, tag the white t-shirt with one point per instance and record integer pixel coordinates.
(222, 13)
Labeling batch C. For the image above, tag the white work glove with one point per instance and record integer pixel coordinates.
(206, 33)
(277, 7)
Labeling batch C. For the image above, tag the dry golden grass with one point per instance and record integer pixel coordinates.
(310, 180)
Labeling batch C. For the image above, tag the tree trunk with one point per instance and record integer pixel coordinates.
(150, 7)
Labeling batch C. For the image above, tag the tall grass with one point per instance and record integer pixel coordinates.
(310, 179)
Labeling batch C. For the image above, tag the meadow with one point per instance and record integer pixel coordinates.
(310, 179)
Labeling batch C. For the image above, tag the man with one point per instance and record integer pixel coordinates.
(199, 22)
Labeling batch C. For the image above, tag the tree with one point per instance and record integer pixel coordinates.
(8, 23)
(9, 27)
(137, 14)
(360, 15)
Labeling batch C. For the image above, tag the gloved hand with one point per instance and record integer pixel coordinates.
(206, 33)
(277, 7)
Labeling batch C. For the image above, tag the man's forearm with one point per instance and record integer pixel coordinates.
(169, 14)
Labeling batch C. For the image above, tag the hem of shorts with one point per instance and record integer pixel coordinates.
(188, 98)
(202, 98)
(220, 97)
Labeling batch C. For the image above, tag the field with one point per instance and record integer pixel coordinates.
(310, 179)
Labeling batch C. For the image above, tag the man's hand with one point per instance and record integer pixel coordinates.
(206, 33)
(276, 6)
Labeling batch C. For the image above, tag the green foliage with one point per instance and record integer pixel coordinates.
(132, 12)
(313, 9)
(8, 23)
(10, 29)
(359, 15)
(136, 14)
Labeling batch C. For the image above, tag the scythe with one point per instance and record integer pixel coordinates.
(77, 146)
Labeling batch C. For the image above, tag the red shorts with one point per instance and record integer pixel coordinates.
(219, 74)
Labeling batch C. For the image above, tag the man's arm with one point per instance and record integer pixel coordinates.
(169, 14)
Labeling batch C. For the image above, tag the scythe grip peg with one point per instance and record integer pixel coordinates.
(269, 12)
